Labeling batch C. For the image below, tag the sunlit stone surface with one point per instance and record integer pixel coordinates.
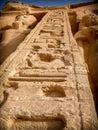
(49, 67)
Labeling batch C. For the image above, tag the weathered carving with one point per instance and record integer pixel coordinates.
(88, 20)
(54, 91)
(49, 78)
(51, 124)
(24, 21)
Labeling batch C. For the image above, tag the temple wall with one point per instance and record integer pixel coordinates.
(47, 80)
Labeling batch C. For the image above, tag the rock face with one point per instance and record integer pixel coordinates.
(48, 72)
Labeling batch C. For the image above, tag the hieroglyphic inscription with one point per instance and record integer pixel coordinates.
(44, 85)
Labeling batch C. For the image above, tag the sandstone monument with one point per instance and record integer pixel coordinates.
(49, 67)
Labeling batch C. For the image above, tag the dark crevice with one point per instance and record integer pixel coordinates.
(39, 16)
(0, 37)
(73, 22)
(5, 94)
(95, 11)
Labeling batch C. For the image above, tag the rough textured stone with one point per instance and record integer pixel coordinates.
(49, 67)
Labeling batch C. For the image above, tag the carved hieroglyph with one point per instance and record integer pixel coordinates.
(46, 81)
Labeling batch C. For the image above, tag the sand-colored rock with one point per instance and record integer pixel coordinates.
(11, 38)
(24, 21)
(4, 24)
(49, 67)
(13, 6)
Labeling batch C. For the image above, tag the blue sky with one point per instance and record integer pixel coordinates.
(47, 2)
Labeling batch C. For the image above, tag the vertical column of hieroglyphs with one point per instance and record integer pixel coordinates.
(42, 88)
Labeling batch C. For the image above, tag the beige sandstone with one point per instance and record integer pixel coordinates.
(49, 67)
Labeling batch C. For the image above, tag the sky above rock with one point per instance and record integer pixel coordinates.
(47, 2)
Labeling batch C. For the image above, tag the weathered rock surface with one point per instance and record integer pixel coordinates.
(14, 6)
(11, 38)
(49, 67)
(25, 22)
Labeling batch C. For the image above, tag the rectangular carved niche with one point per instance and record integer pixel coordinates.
(40, 124)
